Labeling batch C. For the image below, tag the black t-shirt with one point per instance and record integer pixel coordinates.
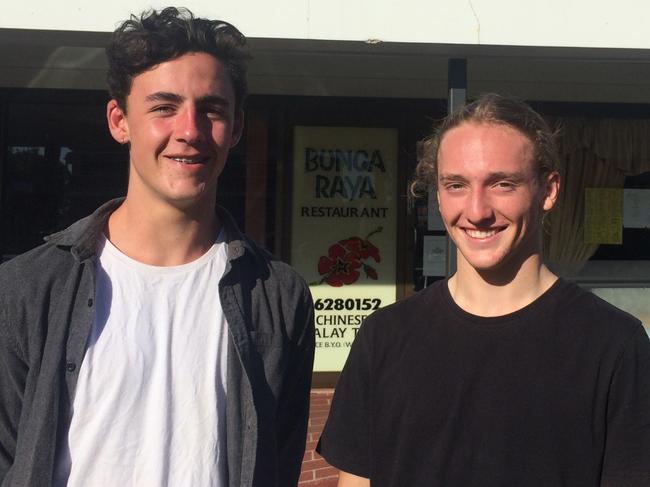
(555, 394)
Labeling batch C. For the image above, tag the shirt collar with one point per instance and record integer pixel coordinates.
(82, 236)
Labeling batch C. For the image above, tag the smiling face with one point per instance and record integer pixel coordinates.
(180, 122)
(491, 197)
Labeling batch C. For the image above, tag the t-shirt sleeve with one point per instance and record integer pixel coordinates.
(345, 442)
(627, 451)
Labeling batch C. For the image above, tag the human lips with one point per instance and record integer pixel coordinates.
(482, 233)
(188, 159)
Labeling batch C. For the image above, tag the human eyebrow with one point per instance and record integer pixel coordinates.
(164, 96)
(515, 177)
(213, 100)
(451, 178)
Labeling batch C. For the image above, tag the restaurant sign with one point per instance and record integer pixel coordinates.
(344, 229)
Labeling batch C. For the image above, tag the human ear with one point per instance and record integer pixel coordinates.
(551, 184)
(117, 123)
(237, 127)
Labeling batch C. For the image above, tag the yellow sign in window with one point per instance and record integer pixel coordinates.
(344, 229)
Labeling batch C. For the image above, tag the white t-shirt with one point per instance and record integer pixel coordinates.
(149, 407)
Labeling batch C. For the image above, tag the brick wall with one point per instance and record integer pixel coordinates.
(316, 472)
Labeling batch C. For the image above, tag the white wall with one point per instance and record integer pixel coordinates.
(569, 23)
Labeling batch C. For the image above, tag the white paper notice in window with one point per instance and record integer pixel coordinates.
(434, 250)
(636, 208)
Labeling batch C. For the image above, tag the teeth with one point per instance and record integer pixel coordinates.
(184, 160)
(481, 233)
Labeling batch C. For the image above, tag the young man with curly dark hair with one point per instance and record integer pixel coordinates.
(502, 375)
(152, 343)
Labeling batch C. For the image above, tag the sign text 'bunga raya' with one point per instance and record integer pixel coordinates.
(348, 173)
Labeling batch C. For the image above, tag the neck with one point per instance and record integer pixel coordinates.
(497, 293)
(162, 235)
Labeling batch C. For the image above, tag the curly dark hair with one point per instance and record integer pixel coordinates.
(494, 109)
(140, 43)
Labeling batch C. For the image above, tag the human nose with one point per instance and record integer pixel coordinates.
(479, 209)
(190, 126)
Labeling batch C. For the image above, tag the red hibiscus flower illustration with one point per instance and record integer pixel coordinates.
(370, 272)
(362, 247)
(340, 266)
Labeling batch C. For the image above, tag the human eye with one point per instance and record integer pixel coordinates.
(215, 112)
(163, 109)
(453, 186)
(505, 185)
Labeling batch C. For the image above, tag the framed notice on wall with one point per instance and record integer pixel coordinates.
(344, 221)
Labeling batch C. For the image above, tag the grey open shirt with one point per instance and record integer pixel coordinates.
(46, 312)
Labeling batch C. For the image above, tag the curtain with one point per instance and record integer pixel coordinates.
(595, 153)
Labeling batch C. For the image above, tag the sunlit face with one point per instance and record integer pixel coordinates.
(490, 195)
(180, 122)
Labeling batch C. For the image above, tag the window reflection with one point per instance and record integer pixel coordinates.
(60, 163)
(33, 194)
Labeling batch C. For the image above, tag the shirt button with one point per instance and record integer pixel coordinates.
(90, 302)
(70, 366)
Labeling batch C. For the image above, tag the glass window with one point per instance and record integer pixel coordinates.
(636, 241)
(60, 163)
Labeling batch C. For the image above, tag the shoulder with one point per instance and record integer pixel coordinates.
(38, 268)
(403, 321)
(49, 263)
(31, 286)
(61, 251)
(423, 304)
(274, 289)
(254, 263)
(588, 320)
(585, 307)
(33, 283)
(274, 273)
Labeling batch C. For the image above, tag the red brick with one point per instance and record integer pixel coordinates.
(318, 401)
(320, 406)
(329, 482)
(321, 402)
(321, 398)
(316, 455)
(313, 437)
(316, 421)
(318, 414)
(304, 476)
(314, 464)
(316, 472)
(326, 472)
